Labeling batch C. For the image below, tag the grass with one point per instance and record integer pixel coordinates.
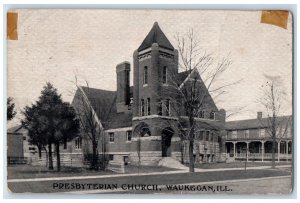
(29, 171)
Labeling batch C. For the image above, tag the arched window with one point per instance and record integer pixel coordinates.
(145, 132)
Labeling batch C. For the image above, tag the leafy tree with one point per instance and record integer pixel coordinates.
(10, 109)
(50, 121)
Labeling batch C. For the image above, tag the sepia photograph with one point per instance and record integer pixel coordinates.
(146, 101)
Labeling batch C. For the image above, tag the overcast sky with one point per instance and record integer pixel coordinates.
(56, 45)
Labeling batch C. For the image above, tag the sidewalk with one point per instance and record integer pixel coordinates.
(138, 174)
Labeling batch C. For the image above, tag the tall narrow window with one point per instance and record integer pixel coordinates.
(168, 107)
(160, 108)
(234, 134)
(111, 137)
(164, 78)
(201, 135)
(246, 133)
(207, 135)
(142, 107)
(129, 135)
(212, 137)
(65, 144)
(201, 114)
(212, 115)
(148, 107)
(145, 75)
(78, 143)
(262, 132)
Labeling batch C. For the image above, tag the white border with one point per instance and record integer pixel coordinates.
(209, 4)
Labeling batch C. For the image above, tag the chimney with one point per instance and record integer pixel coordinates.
(222, 115)
(123, 86)
(259, 115)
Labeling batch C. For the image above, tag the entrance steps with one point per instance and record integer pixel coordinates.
(171, 163)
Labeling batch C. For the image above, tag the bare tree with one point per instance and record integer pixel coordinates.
(189, 98)
(272, 100)
(92, 122)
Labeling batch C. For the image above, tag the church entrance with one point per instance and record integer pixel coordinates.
(166, 137)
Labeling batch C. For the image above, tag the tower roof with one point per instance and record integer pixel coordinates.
(156, 35)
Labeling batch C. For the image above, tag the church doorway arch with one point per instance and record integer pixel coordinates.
(166, 137)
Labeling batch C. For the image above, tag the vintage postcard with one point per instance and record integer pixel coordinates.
(149, 101)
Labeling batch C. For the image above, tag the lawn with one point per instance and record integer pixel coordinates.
(28, 171)
(238, 164)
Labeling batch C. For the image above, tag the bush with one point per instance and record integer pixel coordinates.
(100, 162)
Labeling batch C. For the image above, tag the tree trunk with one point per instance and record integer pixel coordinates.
(182, 151)
(103, 152)
(95, 157)
(57, 156)
(191, 154)
(40, 151)
(273, 151)
(50, 156)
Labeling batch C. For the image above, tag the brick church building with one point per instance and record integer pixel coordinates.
(145, 122)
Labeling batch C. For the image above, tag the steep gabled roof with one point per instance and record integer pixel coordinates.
(184, 76)
(252, 123)
(104, 104)
(156, 35)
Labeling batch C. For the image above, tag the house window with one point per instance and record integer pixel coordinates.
(145, 75)
(234, 134)
(207, 136)
(148, 107)
(111, 157)
(201, 114)
(24, 137)
(261, 132)
(212, 137)
(201, 135)
(219, 139)
(65, 144)
(168, 107)
(142, 107)
(129, 135)
(246, 133)
(111, 137)
(31, 148)
(78, 143)
(160, 108)
(212, 115)
(164, 75)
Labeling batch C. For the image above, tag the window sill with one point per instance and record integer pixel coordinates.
(145, 85)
